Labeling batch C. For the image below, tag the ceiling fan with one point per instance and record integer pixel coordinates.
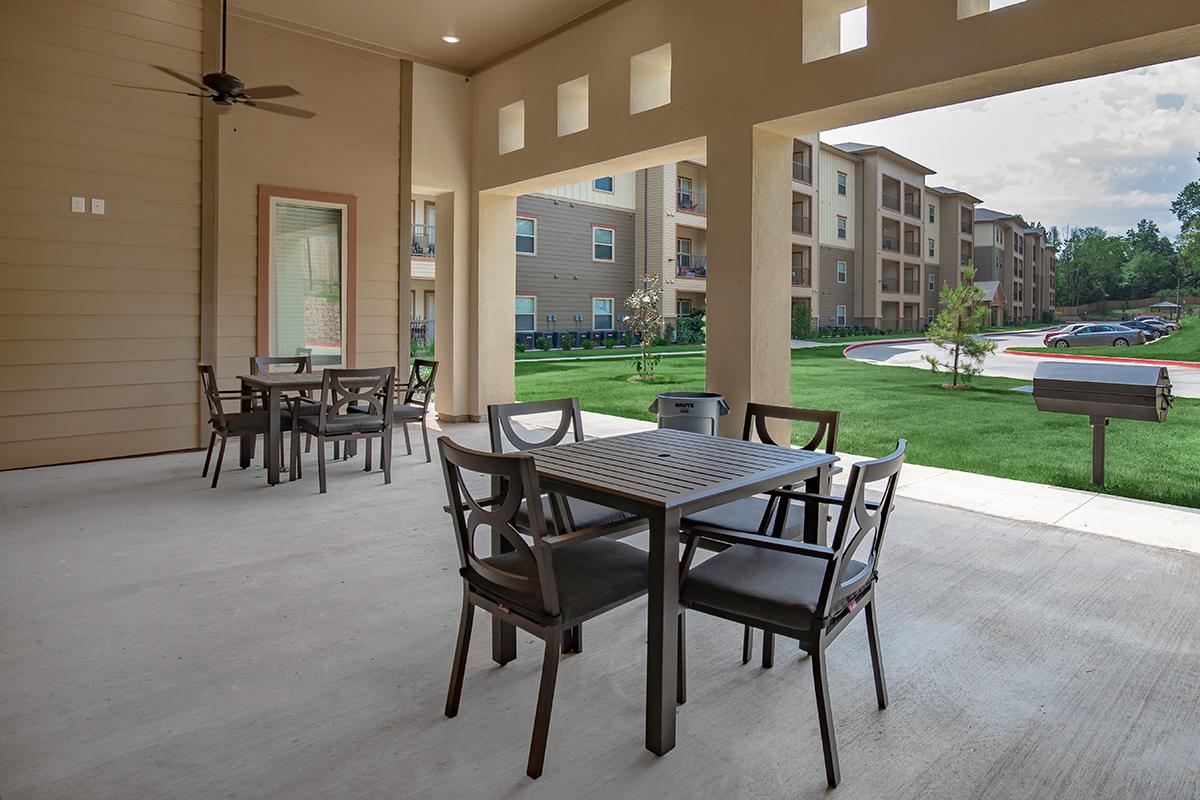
(227, 90)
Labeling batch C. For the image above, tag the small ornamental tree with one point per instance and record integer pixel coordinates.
(645, 320)
(955, 331)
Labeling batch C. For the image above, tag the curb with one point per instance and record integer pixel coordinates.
(1158, 362)
(857, 345)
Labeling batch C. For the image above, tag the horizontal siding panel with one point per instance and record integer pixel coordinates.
(98, 230)
(57, 204)
(49, 326)
(75, 157)
(37, 427)
(27, 25)
(63, 401)
(85, 110)
(378, 325)
(177, 12)
(19, 302)
(76, 351)
(63, 450)
(97, 374)
(99, 279)
(98, 139)
(230, 326)
(91, 183)
(103, 256)
(238, 285)
(109, 20)
(378, 290)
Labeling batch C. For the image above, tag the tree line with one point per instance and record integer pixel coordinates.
(1093, 265)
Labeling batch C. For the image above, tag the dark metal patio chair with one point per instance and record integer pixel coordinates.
(300, 365)
(770, 515)
(803, 591)
(546, 586)
(355, 404)
(563, 514)
(413, 398)
(236, 424)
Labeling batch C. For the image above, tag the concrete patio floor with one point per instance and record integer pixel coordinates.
(160, 639)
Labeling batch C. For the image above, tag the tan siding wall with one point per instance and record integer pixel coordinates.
(356, 97)
(99, 315)
(831, 203)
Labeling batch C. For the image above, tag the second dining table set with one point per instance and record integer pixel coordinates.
(558, 507)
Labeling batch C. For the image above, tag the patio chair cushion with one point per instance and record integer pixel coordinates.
(341, 425)
(404, 411)
(585, 515)
(247, 422)
(753, 583)
(745, 515)
(590, 576)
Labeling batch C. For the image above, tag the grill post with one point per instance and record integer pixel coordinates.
(1098, 426)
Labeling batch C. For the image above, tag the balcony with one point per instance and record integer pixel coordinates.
(890, 285)
(912, 286)
(966, 226)
(964, 260)
(802, 275)
(692, 267)
(912, 248)
(802, 224)
(891, 201)
(912, 208)
(891, 242)
(423, 241)
(801, 172)
(691, 202)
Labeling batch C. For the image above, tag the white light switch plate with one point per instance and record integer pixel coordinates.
(97, 205)
(78, 205)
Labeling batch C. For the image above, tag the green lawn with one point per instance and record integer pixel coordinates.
(988, 429)
(1183, 345)
(630, 352)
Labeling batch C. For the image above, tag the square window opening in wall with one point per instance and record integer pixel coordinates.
(833, 27)
(973, 8)
(512, 127)
(573, 106)
(650, 79)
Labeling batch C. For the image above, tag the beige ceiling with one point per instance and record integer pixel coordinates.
(487, 28)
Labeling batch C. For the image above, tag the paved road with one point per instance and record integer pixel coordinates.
(1186, 380)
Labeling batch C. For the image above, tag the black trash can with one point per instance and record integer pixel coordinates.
(698, 412)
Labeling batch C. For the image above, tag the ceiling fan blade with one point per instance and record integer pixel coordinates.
(156, 89)
(276, 108)
(269, 92)
(179, 76)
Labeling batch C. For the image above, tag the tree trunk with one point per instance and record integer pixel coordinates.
(957, 348)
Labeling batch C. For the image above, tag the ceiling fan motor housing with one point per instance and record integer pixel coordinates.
(226, 86)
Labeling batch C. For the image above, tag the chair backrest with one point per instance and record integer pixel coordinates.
(516, 476)
(260, 365)
(419, 391)
(759, 414)
(856, 522)
(369, 391)
(208, 382)
(501, 415)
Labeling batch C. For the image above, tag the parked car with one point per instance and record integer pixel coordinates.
(1098, 335)
(1170, 324)
(1151, 329)
(1064, 329)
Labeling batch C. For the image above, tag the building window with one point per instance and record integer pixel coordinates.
(527, 236)
(683, 256)
(306, 294)
(841, 316)
(841, 227)
(932, 248)
(932, 283)
(931, 213)
(603, 240)
(841, 183)
(603, 185)
(526, 313)
(602, 313)
(841, 272)
(929, 317)
(683, 307)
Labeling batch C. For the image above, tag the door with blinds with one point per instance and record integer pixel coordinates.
(308, 280)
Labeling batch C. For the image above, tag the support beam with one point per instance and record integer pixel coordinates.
(404, 256)
(452, 293)
(494, 284)
(749, 282)
(210, 195)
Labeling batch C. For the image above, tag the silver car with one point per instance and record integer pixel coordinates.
(1098, 335)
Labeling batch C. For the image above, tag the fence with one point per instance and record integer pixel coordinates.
(1120, 305)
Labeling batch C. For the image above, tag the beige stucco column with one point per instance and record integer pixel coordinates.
(452, 294)
(493, 272)
(749, 278)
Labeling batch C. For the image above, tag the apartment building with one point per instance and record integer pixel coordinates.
(872, 244)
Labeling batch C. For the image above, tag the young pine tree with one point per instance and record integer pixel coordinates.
(955, 331)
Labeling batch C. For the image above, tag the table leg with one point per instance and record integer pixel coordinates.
(246, 443)
(504, 635)
(816, 526)
(273, 434)
(663, 629)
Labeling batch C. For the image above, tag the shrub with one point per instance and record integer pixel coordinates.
(520, 347)
(610, 343)
(588, 344)
(801, 320)
(543, 342)
(629, 340)
(691, 329)
(1048, 317)
(567, 341)
(660, 341)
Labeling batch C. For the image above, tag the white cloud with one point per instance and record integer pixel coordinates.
(1104, 151)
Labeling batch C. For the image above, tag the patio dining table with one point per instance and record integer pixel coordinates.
(273, 385)
(664, 475)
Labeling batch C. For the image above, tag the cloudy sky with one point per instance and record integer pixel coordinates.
(1105, 151)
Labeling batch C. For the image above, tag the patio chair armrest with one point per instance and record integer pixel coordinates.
(299, 398)
(792, 494)
(766, 542)
(581, 535)
(494, 500)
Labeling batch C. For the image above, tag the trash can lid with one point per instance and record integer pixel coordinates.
(691, 396)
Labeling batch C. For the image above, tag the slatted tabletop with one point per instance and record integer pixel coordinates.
(294, 381)
(671, 469)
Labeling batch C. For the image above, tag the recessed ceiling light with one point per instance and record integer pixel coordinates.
(450, 39)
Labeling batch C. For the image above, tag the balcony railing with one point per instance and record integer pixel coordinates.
(801, 172)
(423, 243)
(964, 260)
(891, 243)
(691, 202)
(891, 201)
(912, 209)
(912, 248)
(890, 285)
(801, 276)
(802, 224)
(692, 267)
(965, 227)
(912, 287)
